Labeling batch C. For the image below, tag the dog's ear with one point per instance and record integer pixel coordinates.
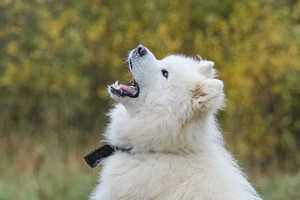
(208, 94)
(206, 68)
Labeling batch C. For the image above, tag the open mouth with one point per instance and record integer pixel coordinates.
(125, 90)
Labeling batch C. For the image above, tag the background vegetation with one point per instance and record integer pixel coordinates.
(57, 56)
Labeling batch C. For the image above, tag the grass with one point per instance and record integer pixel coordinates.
(282, 188)
(47, 186)
(47, 169)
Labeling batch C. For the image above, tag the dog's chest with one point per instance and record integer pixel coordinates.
(129, 177)
(126, 176)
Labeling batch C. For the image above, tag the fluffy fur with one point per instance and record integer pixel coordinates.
(177, 148)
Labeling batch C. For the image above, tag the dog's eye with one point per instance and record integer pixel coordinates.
(165, 73)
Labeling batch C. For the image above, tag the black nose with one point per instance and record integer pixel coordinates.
(141, 50)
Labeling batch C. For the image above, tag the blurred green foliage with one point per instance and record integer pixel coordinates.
(56, 58)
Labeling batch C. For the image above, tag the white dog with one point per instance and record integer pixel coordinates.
(165, 136)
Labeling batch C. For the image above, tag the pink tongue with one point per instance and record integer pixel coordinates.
(128, 89)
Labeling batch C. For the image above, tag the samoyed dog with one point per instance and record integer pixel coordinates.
(166, 138)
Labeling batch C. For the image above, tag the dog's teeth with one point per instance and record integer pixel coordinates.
(116, 85)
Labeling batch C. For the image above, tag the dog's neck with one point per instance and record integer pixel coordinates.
(206, 135)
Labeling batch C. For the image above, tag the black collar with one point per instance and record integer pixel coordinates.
(95, 157)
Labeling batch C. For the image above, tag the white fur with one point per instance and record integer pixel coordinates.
(177, 148)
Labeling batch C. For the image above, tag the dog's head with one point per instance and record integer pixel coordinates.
(175, 84)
